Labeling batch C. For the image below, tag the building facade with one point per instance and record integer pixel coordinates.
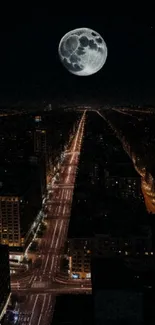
(125, 245)
(10, 232)
(40, 141)
(20, 204)
(4, 279)
(79, 253)
(122, 181)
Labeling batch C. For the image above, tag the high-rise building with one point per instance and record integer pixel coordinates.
(4, 279)
(121, 180)
(79, 252)
(40, 145)
(38, 169)
(20, 202)
(137, 243)
(10, 220)
(40, 148)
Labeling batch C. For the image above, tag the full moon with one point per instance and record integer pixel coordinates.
(82, 51)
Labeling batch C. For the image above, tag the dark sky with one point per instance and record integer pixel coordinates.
(30, 66)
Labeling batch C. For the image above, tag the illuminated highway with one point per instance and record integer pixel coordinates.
(40, 285)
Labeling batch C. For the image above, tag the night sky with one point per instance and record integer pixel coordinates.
(30, 66)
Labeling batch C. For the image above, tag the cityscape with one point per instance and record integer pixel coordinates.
(70, 234)
(77, 173)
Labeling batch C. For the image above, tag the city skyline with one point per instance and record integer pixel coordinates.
(97, 192)
(77, 172)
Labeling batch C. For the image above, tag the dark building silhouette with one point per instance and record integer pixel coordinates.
(4, 278)
(40, 142)
(123, 292)
(73, 310)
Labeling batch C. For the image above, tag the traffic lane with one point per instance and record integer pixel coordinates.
(62, 210)
(29, 304)
(52, 210)
(46, 241)
(46, 313)
(55, 290)
(51, 268)
(48, 244)
(42, 311)
(55, 236)
(55, 233)
(36, 308)
(48, 261)
(51, 236)
(62, 194)
(22, 283)
(63, 235)
(70, 172)
(58, 233)
(56, 202)
(48, 269)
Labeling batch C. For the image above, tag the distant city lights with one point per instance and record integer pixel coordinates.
(37, 118)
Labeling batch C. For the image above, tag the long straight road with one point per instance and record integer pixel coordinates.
(40, 300)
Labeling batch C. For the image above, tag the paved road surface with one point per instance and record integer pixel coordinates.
(39, 285)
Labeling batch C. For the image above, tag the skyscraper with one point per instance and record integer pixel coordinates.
(40, 141)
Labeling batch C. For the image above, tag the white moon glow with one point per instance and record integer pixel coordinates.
(82, 51)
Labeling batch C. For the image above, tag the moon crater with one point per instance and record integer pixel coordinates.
(84, 41)
(82, 51)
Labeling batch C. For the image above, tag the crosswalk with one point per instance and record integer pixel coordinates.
(24, 318)
(41, 284)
